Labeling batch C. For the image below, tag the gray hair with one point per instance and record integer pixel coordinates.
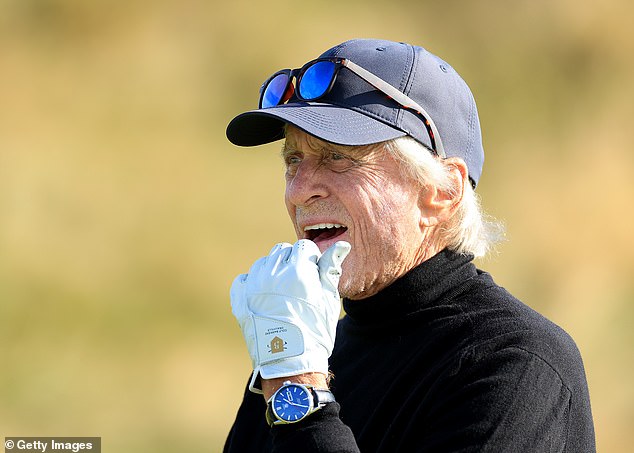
(469, 230)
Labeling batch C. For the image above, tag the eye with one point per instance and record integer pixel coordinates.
(292, 161)
(339, 162)
(337, 156)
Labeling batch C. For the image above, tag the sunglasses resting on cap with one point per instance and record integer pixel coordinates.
(317, 77)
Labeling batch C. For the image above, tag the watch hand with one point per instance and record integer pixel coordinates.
(294, 404)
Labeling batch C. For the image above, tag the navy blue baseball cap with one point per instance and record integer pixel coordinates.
(353, 112)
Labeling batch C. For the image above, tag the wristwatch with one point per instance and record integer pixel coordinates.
(293, 402)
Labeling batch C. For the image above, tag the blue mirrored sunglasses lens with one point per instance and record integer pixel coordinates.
(274, 91)
(316, 80)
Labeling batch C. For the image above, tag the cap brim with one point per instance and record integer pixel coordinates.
(328, 122)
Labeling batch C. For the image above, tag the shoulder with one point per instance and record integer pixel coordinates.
(500, 324)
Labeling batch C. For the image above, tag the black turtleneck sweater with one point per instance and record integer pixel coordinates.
(443, 360)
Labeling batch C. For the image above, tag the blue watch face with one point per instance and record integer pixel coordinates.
(291, 403)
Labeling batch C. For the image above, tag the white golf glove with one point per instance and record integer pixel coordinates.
(288, 306)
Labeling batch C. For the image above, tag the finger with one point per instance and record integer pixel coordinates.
(277, 248)
(330, 264)
(305, 249)
(277, 257)
(279, 252)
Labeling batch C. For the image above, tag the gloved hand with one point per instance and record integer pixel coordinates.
(288, 306)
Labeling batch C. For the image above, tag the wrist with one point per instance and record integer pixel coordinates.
(317, 380)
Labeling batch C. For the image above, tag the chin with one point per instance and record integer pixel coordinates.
(348, 287)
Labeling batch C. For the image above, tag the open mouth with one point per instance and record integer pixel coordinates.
(324, 231)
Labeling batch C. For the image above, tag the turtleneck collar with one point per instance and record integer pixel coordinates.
(420, 287)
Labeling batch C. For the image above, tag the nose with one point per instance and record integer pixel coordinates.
(306, 184)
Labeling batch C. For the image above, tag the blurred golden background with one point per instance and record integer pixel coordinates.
(125, 213)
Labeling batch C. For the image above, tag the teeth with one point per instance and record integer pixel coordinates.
(321, 226)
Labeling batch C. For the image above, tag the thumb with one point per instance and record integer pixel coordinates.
(330, 264)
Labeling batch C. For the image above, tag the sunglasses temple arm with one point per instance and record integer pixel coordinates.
(399, 97)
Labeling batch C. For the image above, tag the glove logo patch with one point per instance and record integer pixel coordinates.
(277, 339)
(277, 345)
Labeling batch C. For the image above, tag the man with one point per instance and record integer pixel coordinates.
(383, 153)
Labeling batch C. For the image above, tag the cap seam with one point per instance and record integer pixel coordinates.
(406, 80)
(471, 137)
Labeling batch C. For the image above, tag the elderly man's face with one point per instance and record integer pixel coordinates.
(357, 195)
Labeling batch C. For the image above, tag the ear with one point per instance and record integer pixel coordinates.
(437, 205)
